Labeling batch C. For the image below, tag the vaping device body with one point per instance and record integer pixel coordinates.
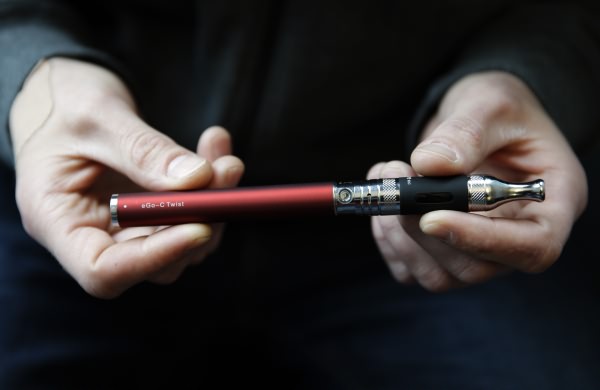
(399, 196)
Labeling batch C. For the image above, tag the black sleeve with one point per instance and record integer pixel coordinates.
(30, 31)
(554, 48)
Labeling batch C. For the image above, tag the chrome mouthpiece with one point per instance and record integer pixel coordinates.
(486, 192)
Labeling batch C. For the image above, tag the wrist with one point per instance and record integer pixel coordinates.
(72, 91)
(32, 106)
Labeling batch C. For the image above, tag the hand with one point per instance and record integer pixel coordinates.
(77, 139)
(487, 123)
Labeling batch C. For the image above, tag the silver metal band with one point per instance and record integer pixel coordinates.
(114, 215)
(479, 193)
(369, 197)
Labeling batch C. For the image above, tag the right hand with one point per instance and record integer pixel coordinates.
(77, 138)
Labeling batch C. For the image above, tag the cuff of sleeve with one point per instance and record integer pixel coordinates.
(22, 46)
(557, 60)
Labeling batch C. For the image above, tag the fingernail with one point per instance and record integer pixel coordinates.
(199, 233)
(401, 271)
(439, 149)
(184, 166)
(234, 173)
(436, 230)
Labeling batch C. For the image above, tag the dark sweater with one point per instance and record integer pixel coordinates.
(321, 88)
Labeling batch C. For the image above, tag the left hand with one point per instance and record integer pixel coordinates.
(487, 123)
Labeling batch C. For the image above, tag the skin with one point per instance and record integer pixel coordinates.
(77, 137)
(486, 123)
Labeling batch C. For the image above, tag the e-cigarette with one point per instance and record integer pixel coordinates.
(399, 196)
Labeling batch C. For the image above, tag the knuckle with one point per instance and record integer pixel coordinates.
(85, 113)
(399, 272)
(435, 280)
(389, 225)
(379, 235)
(167, 278)
(472, 272)
(101, 281)
(100, 288)
(468, 130)
(505, 96)
(504, 103)
(144, 148)
(541, 258)
(98, 284)
(542, 252)
(499, 95)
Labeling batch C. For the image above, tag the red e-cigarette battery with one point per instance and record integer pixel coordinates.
(170, 208)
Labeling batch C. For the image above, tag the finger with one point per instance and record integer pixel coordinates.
(119, 234)
(106, 268)
(474, 130)
(375, 171)
(214, 142)
(397, 267)
(462, 266)
(394, 169)
(145, 155)
(215, 145)
(529, 245)
(169, 274)
(395, 236)
(421, 265)
(228, 171)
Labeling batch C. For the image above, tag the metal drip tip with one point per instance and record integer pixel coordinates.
(486, 192)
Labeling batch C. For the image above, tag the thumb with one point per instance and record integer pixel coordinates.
(150, 158)
(478, 116)
(456, 146)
